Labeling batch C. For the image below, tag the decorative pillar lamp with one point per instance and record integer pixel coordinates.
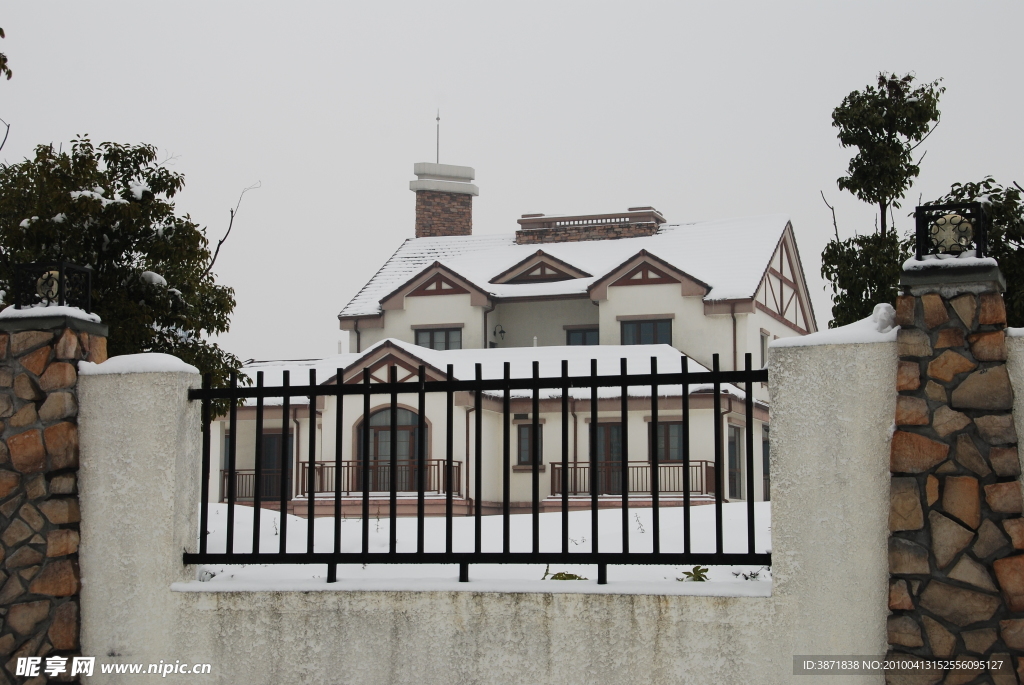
(952, 230)
(50, 283)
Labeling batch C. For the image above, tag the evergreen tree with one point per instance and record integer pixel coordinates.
(110, 209)
(885, 123)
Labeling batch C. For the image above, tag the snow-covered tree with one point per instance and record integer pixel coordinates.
(110, 208)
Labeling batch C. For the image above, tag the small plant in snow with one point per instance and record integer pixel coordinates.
(698, 574)
(639, 526)
(561, 575)
(755, 574)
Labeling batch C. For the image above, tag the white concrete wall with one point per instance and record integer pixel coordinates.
(832, 408)
(1015, 367)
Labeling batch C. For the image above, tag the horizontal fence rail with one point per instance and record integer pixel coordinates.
(663, 480)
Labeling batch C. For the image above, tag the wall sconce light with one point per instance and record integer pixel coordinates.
(499, 331)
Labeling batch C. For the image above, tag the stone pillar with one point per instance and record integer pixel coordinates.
(39, 513)
(956, 533)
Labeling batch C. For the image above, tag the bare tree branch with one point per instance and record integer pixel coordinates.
(6, 133)
(922, 157)
(834, 225)
(231, 223)
(930, 131)
(1018, 186)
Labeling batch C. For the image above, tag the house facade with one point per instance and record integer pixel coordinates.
(604, 287)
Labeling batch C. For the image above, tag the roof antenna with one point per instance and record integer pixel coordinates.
(438, 158)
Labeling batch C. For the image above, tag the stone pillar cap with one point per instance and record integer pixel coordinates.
(967, 275)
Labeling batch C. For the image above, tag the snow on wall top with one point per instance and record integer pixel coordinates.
(730, 255)
(879, 327)
(146, 362)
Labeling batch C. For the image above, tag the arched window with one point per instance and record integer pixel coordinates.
(380, 449)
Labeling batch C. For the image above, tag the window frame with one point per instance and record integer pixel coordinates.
(734, 445)
(430, 332)
(524, 444)
(638, 335)
(665, 456)
(585, 332)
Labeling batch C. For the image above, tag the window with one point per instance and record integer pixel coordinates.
(525, 432)
(440, 338)
(735, 462)
(670, 441)
(609, 458)
(764, 348)
(647, 332)
(766, 472)
(582, 336)
(380, 449)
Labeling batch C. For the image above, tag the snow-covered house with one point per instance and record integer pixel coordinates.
(605, 286)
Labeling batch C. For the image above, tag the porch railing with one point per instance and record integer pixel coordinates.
(245, 484)
(500, 388)
(379, 479)
(609, 478)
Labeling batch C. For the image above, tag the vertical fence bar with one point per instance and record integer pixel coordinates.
(624, 465)
(602, 569)
(478, 462)
(421, 464)
(655, 474)
(365, 457)
(719, 479)
(535, 456)
(749, 402)
(257, 491)
(686, 454)
(565, 456)
(286, 459)
(311, 464)
(393, 469)
(506, 465)
(339, 431)
(204, 503)
(449, 448)
(232, 449)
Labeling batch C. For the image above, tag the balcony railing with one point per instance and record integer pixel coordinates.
(609, 478)
(245, 484)
(406, 477)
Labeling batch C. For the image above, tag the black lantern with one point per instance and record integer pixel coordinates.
(951, 229)
(49, 283)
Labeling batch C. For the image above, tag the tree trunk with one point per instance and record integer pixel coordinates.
(883, 206)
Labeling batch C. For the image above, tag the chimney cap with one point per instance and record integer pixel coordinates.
(531, 216)
(443, 172)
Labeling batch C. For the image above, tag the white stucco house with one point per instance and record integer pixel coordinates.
(605, 287)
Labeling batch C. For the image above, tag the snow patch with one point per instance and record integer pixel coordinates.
(879, 327)
(153, 278)
(41, 309)
(948, 261)
(147, 362)
(138, 189)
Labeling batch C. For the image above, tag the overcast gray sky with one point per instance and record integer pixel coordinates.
(703, 110)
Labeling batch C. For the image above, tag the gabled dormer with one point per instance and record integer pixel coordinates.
(380, 359)
(434, 281)
(782, 293)
(540, 267)
(644, 268)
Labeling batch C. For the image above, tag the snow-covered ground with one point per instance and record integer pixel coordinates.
(635, 579)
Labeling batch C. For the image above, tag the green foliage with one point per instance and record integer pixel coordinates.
(561, 575)
(4, 69)
(110, 208)
(883, 123)
(698, 574)
(863, 271)
(1005, 210)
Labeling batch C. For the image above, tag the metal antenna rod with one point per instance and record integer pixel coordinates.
(437, 159)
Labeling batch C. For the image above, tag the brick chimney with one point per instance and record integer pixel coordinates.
(444, 199)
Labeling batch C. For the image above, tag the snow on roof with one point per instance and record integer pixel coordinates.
(492, 363)
(730, 255)
(273, 372)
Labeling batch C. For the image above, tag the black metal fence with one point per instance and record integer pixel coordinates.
(495, 388)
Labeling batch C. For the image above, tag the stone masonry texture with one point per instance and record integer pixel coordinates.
(956, 535)
(443, 214)
(570, 234)
(39, 514)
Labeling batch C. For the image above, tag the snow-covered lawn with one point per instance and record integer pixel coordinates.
(635, 579)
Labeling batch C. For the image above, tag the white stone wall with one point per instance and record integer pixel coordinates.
(832, 409)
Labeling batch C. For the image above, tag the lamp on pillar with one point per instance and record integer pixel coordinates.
(952, 230)
(50, 283)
